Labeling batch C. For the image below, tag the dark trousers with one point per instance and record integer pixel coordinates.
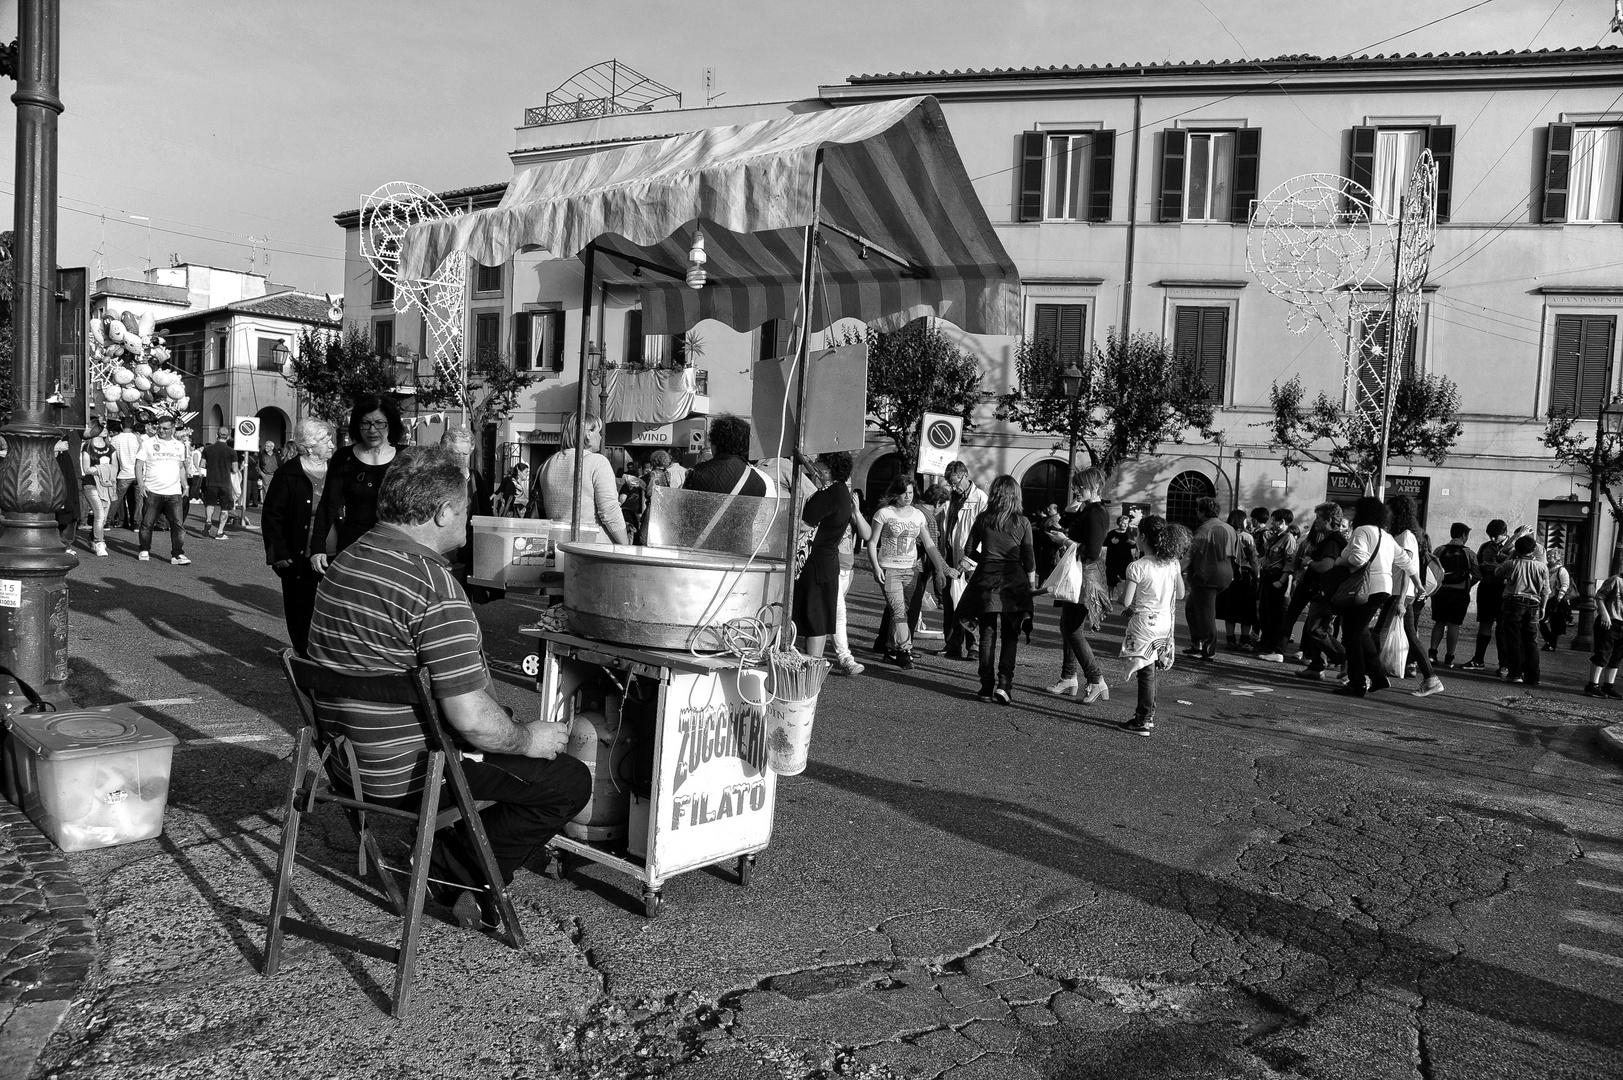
(299, 583)
(1146, 694)
(124, 512)
(996, 662)
(1300, 599)
(1201, 611)
(534, 798)
(1416, 653)
(1363, 657)
(1078, 654)
(1518, 638)
(169, 505)
(1319, 644)
(960, 632)
(1271, 613)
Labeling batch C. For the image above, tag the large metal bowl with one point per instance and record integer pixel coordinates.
(664, 598)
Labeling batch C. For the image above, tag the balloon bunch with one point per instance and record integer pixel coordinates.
(136, 374)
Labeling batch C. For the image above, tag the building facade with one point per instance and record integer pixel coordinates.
(1124, 195)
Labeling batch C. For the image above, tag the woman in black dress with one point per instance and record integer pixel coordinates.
(294, 494)
(817, 589)
(349, 505)
(999, 594)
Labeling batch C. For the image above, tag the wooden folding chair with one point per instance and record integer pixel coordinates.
(321, 748)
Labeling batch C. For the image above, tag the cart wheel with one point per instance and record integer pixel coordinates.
(532, 665)
(555, 864)
(746, 870)
(652, 901)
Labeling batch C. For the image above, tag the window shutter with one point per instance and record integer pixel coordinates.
(1564, 377)
(1557, 169)
(1104, 160)
(1046, 332)
(1594, 362)
(1214, 342)
(1247, 155)
(521, 341)
(1174, 145)
(1361, 161)
(1440, 141)
(1033, 148)
(1071, 320)
(1186, 334)
(555, 341)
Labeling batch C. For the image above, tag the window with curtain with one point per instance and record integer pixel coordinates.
(1592, 190)
(1209, 178)
(1396, 152)
(1069, 176)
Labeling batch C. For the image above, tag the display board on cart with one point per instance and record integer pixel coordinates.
(835, 405)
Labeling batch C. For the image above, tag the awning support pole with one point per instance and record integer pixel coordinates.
(798, 387)
(580, 390)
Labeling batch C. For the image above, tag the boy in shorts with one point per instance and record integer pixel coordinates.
(1453, 596)
(1608, 635)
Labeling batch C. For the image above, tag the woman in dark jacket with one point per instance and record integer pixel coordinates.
(1086, 525)
(349, 504)
(999, 594)
(288, 520)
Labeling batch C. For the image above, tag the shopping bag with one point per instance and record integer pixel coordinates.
(1394, 647)
(956, 587)
(1065, 583)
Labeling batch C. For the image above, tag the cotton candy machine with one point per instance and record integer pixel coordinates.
(664, 598)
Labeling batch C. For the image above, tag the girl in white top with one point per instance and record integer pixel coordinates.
(898, 530)
(1406, 531)
(1152, 589)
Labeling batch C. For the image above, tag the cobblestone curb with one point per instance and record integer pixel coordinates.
(47, 940)
(1611, 740)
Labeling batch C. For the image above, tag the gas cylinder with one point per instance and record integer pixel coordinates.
(597, 740)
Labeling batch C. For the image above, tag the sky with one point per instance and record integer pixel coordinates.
(229, 132)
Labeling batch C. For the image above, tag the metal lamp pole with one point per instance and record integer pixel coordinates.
(33, 562)
(1071, 382)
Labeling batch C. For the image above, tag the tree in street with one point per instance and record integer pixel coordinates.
(1576, 452)
(1424, 425)
(491, 393)
(331, 369)
(912, 371)
(1135, 394)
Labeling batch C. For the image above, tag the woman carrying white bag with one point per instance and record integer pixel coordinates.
(1079, 589)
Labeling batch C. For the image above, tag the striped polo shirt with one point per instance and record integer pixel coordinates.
(388, 604)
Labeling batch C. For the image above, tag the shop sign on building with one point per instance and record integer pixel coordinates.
(650, 435)
(1346, 489)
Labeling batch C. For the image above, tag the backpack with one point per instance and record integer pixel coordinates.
(1455, 562)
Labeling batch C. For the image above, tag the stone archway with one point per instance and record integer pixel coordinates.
(1183, 492)
(273, 426)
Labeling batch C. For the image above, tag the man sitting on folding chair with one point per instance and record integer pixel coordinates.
(389, 603)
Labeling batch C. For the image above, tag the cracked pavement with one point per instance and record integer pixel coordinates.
(1279, 883)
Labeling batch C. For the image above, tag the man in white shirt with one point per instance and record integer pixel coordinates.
(126, 444)
(162, 467)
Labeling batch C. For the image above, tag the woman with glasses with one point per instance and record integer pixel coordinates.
(288, 517)
(349, 504)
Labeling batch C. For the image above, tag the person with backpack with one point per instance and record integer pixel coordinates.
(1453, 596)
(1490, 594)
(1558, 608)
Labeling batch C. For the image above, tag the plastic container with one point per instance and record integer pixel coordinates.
(90, 778)
(510, 551)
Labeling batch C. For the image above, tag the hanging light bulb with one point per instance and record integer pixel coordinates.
(696, 259)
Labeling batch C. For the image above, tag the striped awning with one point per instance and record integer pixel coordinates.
(904, 234)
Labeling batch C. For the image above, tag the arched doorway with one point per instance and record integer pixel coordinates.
(878, 480)
(273, 426)
(1183, 491)
(1044, 483)
(216, 422)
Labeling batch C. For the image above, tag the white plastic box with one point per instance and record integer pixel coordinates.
(515, 552)
(90, 778)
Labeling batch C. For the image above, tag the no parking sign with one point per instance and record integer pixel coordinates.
(940, 437)
(247, 433)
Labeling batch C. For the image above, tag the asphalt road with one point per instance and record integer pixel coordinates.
(1279, 883)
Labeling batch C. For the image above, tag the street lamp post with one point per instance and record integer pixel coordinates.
(1608, 429)
(33, 562)
(1070, 381)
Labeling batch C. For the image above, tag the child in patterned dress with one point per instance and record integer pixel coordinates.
(1152, 588)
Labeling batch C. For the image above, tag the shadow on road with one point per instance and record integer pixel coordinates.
(1354, 952)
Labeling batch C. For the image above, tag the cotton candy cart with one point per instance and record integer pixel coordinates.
(705, 796)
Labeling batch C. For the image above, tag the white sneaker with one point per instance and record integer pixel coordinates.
(145, 556)
(101, 549)
(1272, 657)
(180, 560)
(849, 665)
(1431, 686)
